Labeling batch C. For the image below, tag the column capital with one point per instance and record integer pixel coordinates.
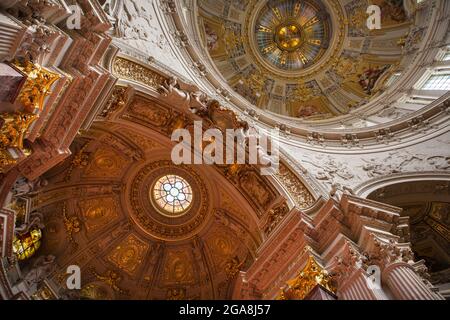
(384, 252)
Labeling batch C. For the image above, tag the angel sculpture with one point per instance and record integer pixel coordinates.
(42, 268)
(36, 221)
(198, 103)
(171, 90)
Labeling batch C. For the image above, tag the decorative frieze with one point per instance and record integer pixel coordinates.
(129, 70)
(300, 194)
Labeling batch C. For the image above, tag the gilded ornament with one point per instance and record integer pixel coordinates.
(94, 291)
(311, 276)
(106, 162)
(232, 267)
(178, 268)
(111, 278)
(129, 254)
(154, 223)
(119, 98)
(14, 129)
(37, 86)
(129, 70)
(439, 228)
(305, 73)
(300, 194)
(72, 225)
(274, 218)
(5, 160)
(294, 39)
(80, 160)
(150, 112)
(401, 41)
(176, 294)
(256, 189)
(12, 135)
(98, 212)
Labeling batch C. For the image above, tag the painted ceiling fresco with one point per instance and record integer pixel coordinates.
(307, 59)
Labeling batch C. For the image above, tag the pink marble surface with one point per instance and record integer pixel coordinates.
(11, 82)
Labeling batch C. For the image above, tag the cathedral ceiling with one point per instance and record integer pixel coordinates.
(99, 215)
(307, 59)
(104, 211)
(316, 81)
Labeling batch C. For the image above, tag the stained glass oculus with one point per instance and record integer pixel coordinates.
(172, 195)
(292, 34)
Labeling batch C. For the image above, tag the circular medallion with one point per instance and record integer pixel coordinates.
(168, 202)
(292, 34)
(171, 195)
(289, 36)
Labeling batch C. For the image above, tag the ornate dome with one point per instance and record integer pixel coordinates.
(292, 35)
(95, 203)
(307, 59)
(171, 249)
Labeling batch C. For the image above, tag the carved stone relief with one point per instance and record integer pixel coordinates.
(350, 170)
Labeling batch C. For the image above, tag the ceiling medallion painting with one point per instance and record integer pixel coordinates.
(163, 204)
(292, 35)
(305, 59)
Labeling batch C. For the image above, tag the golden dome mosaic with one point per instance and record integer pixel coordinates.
(292, 35)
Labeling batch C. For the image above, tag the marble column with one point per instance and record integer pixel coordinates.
(406, 284)
(357, 288)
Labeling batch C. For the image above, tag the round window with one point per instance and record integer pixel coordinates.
(172, 195)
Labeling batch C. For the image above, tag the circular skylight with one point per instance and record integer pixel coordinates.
(292, 34)
(172, 195)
